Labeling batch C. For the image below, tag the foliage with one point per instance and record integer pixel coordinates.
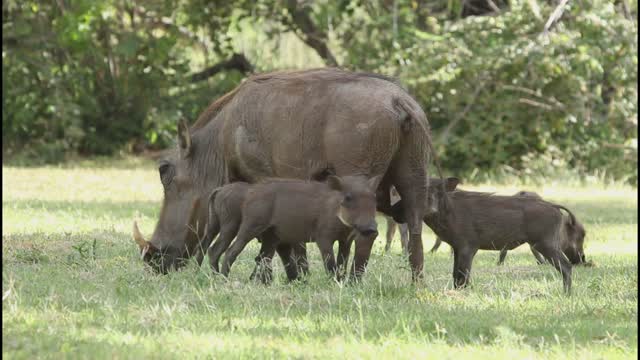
(498, 92)
(98, 76)
(93, 76)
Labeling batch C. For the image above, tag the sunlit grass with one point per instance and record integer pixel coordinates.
(73, 286)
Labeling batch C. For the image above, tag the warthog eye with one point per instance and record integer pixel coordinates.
(166, 173)
(163, 169)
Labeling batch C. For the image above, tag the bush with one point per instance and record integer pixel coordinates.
(497, 92)
(114, 75)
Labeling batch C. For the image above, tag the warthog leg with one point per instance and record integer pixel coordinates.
(539, 258)
(325, 245)
(263, 267)
(246, 233)
(503, 254)
(391, 231)
(213, 228)
(286, 253)
(227, 233)
(404, 238)
(361, 257)
(463, 258)
(413, 212)
(300, 256)
(436, 246)
(555, 256)
(344, 249)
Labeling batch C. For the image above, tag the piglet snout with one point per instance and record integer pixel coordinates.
(370, 229)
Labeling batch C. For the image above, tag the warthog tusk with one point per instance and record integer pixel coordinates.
(144, 252)
(137, 236)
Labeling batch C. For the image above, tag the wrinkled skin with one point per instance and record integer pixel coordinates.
(472, 221)
(289, 212)
(297, 125)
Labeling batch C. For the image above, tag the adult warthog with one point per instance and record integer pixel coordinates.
(302, 125)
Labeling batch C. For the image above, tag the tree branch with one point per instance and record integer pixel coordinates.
(535, 103)
(311, 35)
(551, 99)
(618, 146)
(493, 6)
(535, 9)
(555, 16)
(235, 62)
(625, 8)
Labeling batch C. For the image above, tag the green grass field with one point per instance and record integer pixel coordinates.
(74, 287)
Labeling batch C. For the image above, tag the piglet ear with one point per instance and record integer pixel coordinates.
(451, 183)
(334, 182)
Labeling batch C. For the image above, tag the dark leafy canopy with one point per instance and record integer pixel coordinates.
(503, 87)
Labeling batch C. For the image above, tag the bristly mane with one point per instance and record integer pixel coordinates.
(478, 194)
(318, 74)
(267, 180)
(214, 108)
(474, 193)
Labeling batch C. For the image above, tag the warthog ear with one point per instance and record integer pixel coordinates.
(373, 182)
(334, 182)
(451, 183)
(184, 138)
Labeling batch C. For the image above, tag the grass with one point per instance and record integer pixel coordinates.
(73, 286)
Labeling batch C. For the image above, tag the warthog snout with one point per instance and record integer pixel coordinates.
(370, 229)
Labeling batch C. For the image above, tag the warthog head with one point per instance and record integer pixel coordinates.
(574, 246)
(358, 204)
(437, 201)
(574, 232)
(184, 209)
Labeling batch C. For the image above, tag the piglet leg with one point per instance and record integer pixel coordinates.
(559, 261)
(285, 251)
(361, 257)
(463, 258)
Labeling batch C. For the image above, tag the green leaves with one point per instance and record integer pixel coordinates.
(128, 45)
(97, 76)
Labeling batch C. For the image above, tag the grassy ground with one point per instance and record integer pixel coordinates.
(74, 287)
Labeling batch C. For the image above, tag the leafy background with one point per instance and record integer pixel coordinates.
(506, 89)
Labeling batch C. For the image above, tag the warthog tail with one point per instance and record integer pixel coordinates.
(572, 219)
